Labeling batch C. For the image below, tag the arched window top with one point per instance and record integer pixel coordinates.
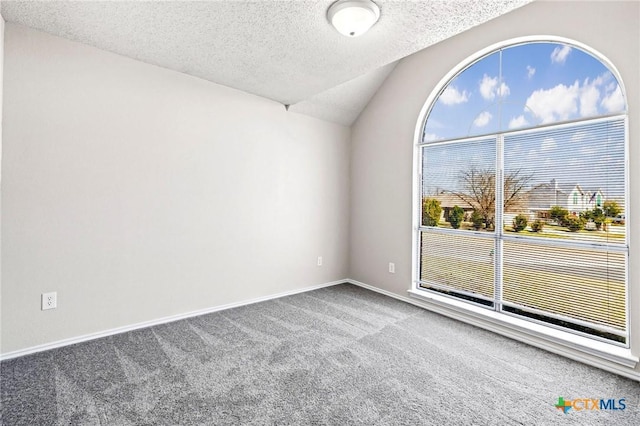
(522, 169)
(524, 85)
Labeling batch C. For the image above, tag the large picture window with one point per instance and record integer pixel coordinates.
(522, 200)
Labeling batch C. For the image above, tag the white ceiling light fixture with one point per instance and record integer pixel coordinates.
(353, 17)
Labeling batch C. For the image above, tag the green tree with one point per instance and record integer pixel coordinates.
(598, 216)
(520, 223)
(477, 219)
(431, 211)
(479, 191)
(455, 216)
(611, 208)
(575, 223)
(558, 214)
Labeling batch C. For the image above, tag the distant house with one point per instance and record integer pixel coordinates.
(448, 201)
(536, 202)
(571, 197)
(596, 199)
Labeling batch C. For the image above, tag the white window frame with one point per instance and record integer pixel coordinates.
(490, 318)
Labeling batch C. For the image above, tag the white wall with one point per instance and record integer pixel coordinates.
(1, 102)
(137, 193)
(1, 86)
(383, 136)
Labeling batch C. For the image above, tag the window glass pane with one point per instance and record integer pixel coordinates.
(570, 180)
(459, 265)
(539, 127)
(584, 285)
(458, 185)
(524, 86)
(467, 106)
(553, 82)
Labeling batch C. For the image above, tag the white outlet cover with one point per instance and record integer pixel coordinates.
(49, 300)
(392, 267)
(319, 260)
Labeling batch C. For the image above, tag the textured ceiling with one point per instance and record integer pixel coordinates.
(282, 50)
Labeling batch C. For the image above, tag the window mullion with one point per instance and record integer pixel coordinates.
(499, 219)
(552, 252)
(418, 234)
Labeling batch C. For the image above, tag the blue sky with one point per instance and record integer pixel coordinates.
(591, 155)
(538, 83)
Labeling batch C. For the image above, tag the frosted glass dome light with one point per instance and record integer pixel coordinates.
(353, 17)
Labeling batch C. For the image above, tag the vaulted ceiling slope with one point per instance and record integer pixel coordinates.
(284, 50)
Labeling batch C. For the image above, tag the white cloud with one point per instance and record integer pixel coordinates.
(530, 71)
(515, 150)
(589, 96)
(588, 151)
(559, 54)
(613, 101)
(504, 90)
(519, 121)
(555, 104)
(489, 88)
(452, 96)
(430, 137)
(548, 144)
(575, 162)
(579, 137)
(483, 119)
(563, 102)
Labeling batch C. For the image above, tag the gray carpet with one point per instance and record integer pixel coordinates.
(338, 356)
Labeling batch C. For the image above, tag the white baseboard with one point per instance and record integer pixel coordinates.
(496, 328)
(145, 324)
(385, 292)
(533, 340)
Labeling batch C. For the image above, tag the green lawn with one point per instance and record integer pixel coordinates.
(600, 298)
(472, 276)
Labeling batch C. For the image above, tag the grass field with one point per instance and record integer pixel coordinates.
(587, 285)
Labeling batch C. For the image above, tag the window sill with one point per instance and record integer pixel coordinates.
(557, 341)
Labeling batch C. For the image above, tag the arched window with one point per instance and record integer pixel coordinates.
(518, 153)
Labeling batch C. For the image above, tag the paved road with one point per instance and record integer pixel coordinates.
(564, 261)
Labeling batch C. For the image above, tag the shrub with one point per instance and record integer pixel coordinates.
(537, 225)
(520, 223)
(559, 214)
(596, 215)
(611, 208)
(431, 212)
(456, 216)
(477, 219)
(575, 223)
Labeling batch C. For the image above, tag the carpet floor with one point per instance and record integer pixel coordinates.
(340, 355)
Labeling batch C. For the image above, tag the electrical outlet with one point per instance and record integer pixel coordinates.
(392, 268)
(49, 300)
(319, 260)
